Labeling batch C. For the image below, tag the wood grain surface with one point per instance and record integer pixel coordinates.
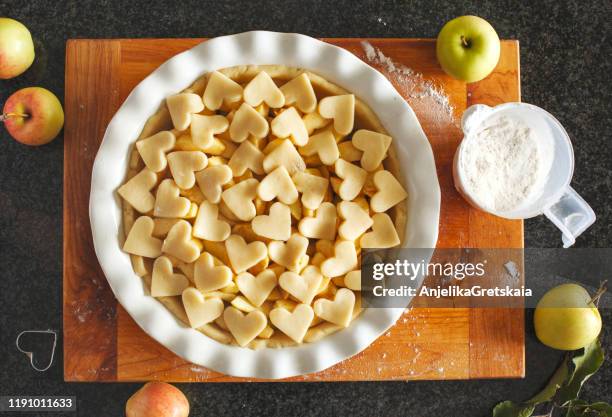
(102, 342)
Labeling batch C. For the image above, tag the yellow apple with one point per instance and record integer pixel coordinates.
(468, 48)
(33, 116)
(16, 48)
(565, 318)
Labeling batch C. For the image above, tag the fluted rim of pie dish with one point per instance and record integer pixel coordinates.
(335, 64)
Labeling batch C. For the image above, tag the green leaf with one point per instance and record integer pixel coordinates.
(585, 365)
(604, 408)
(563, 388)
(510, 409)
(556, 381)
(580, 408)
(575, 408)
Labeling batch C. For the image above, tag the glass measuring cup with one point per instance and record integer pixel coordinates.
(556, 199)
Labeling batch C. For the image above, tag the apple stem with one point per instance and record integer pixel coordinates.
(6, 116)
(465, 42)
(603, 287)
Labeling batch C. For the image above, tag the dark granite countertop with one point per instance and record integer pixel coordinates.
(565, 65)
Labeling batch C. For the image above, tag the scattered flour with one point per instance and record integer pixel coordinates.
(412, 84)
(501, 164)
(381, 21)
(513, 270)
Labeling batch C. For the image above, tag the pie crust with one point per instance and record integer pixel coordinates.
(318, 255)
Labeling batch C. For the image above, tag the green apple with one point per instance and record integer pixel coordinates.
(33, 116)
(16, 48)
(468, 48)
(566, 318)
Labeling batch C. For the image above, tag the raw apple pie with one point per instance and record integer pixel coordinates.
(248, 199)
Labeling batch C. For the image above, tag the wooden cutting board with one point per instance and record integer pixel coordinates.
(102, 342)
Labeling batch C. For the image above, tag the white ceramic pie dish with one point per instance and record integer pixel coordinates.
(258, 48)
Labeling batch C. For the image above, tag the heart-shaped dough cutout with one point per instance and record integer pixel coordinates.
(339, 311)
(242, 256)
(383, 234)
(278, 184)
(164, 282)
(302, 286)
(325, 247)
(314, 121)
(153, 150)
(294, 324)
(276, 225)
(168, 202)
(352, 280)
(209, 275)
(341, 109)
(257, 289)
(324, 145)
(207, 224)
(356, 220)
(374, 146)
(239, 199)
(183, 164)
(179, 243)
(289, 124)
(181, 106)
(243, 327)
(322, 225)
(140, 240)
(247, 121)
(211, 181)
(221, 89)
(288, 254)
(349, 152)
(200, 310)
(137, 191)
(390, 192)
(312, 187)
(299, 91)
(285, 155)
(247, 156)
(353, 179)
(343, 261)
(204, 128)
(262, 89)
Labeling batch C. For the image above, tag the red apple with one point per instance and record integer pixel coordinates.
(16, 48)
(157, 399)
(33, 116)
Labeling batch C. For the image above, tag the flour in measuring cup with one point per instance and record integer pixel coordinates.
(503, 167)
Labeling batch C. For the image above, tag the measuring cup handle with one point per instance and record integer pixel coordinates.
(473, 115)
(571, 214)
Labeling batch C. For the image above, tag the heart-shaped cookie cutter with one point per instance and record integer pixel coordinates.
(31, 354)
